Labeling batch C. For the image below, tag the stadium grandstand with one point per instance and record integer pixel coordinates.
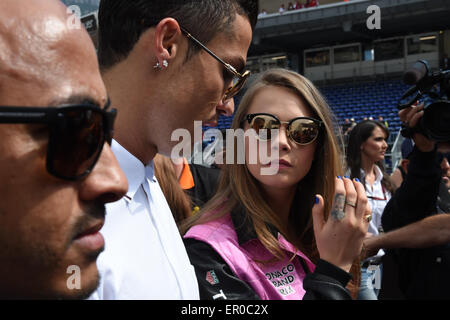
(358, 69)
(357, 64)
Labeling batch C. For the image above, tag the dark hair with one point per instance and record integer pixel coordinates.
(359, 134)
(122, 22)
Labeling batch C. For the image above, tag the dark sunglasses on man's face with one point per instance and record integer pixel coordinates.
(301, 130)
(238, 79)
(77, 134)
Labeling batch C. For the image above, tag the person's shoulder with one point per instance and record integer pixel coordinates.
(210, 172)
(396, 177)
(218, 229)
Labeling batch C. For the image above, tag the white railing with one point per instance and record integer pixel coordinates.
(396, 151)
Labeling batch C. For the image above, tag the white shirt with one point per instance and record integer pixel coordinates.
(144, 256)
(376, 190)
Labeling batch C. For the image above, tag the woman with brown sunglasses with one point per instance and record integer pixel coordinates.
(294, 233)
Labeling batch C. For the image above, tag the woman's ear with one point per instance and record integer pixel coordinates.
(167, 40)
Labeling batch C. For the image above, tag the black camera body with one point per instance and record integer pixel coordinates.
(435, 88)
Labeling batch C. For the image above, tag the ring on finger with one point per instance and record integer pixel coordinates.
(368, 217)
(351, 204)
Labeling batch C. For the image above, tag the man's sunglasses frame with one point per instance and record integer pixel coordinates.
(251, 117)
(56, 116)
(242, 78)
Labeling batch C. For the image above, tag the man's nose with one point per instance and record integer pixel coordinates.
(107, 182)
(226, 107)
(445, 165)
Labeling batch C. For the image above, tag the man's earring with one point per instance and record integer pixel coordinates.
(157, 66)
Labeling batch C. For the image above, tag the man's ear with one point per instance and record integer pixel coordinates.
(167, 39)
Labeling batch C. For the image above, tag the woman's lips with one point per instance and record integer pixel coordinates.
(284, 163)
(281, 164)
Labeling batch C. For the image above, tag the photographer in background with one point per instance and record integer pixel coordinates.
(423, 270)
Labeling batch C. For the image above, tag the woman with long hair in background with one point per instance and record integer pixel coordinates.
(367, 146)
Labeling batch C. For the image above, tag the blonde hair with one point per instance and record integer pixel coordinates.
(238, 187)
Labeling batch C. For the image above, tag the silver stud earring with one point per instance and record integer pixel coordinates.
(157, 66)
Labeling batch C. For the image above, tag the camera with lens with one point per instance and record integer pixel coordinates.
(434, 89)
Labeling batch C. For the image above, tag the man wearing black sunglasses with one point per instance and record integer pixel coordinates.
(165, 65)
(56, 170)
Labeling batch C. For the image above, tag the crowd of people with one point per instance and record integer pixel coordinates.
(350, 123)
(293, 6)
(91, 195)
(298, 5)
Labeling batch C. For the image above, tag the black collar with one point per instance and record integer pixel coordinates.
(243, 225)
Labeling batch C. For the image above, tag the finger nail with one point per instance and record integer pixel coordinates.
(339, 177)
(357, 180)
(316, 200)
(347, 177)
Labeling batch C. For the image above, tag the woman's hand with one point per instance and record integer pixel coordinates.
(339, 238)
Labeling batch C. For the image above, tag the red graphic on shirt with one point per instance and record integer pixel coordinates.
(211, 277)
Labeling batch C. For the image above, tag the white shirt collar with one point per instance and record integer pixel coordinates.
(378, 174)
(134, 169)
